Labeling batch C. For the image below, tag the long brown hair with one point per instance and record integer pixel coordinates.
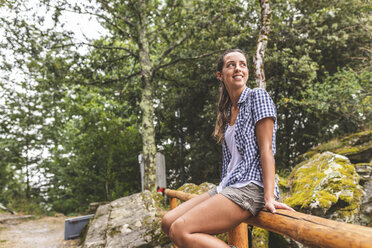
(223, 100)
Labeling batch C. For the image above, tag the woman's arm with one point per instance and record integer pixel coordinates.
(264, 134)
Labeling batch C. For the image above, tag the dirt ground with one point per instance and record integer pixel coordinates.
(27, 232)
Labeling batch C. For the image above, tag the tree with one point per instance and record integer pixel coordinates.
(21, 122)
(99, 154)
(308, 42)
(150, 36)
(258, 59)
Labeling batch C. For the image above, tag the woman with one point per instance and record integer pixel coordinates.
(246, 125)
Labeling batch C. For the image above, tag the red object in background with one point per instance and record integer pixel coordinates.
(161, 190)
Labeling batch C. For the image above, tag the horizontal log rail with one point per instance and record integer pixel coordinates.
(309, 230)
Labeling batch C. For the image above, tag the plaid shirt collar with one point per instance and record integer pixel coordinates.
(243, 96)
(242, 99)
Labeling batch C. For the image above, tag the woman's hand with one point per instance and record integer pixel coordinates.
(271, 204)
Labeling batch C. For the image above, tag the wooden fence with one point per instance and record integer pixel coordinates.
(309, 230)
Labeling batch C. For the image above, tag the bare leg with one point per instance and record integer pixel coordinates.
(174, 214)
(197, 226)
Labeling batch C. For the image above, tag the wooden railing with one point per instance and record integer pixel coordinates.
(309, 230)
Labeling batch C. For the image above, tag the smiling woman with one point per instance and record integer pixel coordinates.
(246, 126)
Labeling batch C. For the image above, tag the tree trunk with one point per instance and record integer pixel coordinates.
(147, 106)
(258, 59)
(259, 74)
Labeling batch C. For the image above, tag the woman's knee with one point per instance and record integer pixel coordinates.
(177, 231)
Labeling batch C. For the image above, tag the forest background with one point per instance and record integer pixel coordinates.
(78, 113)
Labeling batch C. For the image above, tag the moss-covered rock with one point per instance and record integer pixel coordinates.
(357, 147)
(196, 189)
(284, 187)
(131, 221)
(326, 185)
(154, 236)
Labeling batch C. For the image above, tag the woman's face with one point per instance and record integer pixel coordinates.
(234, 71)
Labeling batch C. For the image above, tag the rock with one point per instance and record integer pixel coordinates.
(326, 185)
(94, 205)
(196, 189)
(357, 147)
(365, 172)
(130, 221)
(357, 154)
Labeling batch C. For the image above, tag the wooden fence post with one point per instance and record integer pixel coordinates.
(173, 202)
(239, 236)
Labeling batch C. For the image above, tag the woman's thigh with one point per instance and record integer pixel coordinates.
(215, 215)
(174, 214)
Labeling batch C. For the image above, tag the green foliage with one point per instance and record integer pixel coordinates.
(316, 64)
(31, 206)
(102, 150)
(260, 238)
(343, 98)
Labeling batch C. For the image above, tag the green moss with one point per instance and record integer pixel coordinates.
(329, 146)
(260, 238)
(222, 236)
(283, 186)
(350, 145)
(364, 164)
(325, 183)
(196, 189)
(326, 199)
(358, 138)
(347, 212)
(347, 150)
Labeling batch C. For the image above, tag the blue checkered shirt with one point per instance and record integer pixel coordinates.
(254, 105)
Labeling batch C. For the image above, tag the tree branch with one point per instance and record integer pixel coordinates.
(171, 47)
(122, 17)
(109, 81)
(158, 30)
(188, 58)
(166, 23)
(97, 46)
(92, 14)
(180, 41)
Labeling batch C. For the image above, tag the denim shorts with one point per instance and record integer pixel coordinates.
(249, 197)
